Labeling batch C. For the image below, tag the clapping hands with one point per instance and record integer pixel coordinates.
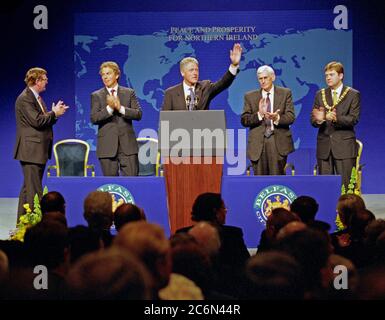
(113, 102)
(318, 114)
(59, 109)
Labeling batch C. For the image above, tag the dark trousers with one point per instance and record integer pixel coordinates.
(128, 165)
(32, 184)
(270, 161)
(337, 166)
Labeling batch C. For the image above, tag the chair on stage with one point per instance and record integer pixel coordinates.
(149, 157)
(71, 156)
(359, 166)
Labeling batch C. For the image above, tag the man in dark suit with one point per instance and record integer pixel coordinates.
(192, 94)
(335, 112)
(233, 253)
(268, 112)
(113, 108)
(34, 135)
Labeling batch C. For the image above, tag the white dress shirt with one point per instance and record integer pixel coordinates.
(109, 109)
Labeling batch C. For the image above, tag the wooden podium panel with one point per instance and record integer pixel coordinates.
(186, 178)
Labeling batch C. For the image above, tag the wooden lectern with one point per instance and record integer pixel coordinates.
(192, 146)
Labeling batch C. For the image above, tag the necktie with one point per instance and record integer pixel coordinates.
(335, 98)
(42, 104)
(268, 131)
(113, 92)
(192, 99)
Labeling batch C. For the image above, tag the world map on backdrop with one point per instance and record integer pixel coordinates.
(149, 46)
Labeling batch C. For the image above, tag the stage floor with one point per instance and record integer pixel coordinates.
(8, 209)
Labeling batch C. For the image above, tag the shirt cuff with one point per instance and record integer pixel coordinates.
(110, 110)
(122, 110)
(260, 117)
(233, 70)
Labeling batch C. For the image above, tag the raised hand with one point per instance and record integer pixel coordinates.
(235, 54)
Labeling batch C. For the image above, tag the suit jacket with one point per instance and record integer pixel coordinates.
(283, 138)
(338, 137)
(33, 129)
(205, 91)
(115, 129)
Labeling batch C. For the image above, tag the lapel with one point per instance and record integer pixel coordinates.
(198, 95)
(181, 101)
(277, 98)
(120, 94)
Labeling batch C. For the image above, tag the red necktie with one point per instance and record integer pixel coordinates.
(113, 92)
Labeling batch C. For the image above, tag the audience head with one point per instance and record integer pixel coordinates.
(278, 218)
(82, 240)
(190, 260)
(358, 223)
(273, 275)
(109, 275)
(55, 216)
(372, 284)
(305, 207)
(148, 242)
(52, 201)
(207, 236)
(311, 248)
(209, 207)
(373, 230)
(290, 228)
(46, 243)
(98, 210)
(127, 212)
(348, 205)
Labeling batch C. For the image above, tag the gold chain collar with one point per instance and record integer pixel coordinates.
(330, 108)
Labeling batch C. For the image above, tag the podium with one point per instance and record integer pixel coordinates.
(192, 146)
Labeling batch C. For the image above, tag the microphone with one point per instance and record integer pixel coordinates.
(188, 100)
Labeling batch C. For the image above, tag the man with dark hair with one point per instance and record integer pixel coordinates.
(127, 212)
(210, 207)
(113, 108)
(305, 207)
(336, 111)
(52, 201)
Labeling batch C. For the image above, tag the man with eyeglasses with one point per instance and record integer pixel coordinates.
(34, 135)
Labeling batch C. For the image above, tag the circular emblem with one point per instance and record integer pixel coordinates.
(119, 194)
(271, 197)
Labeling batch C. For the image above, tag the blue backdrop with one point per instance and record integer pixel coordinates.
(293, 32)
